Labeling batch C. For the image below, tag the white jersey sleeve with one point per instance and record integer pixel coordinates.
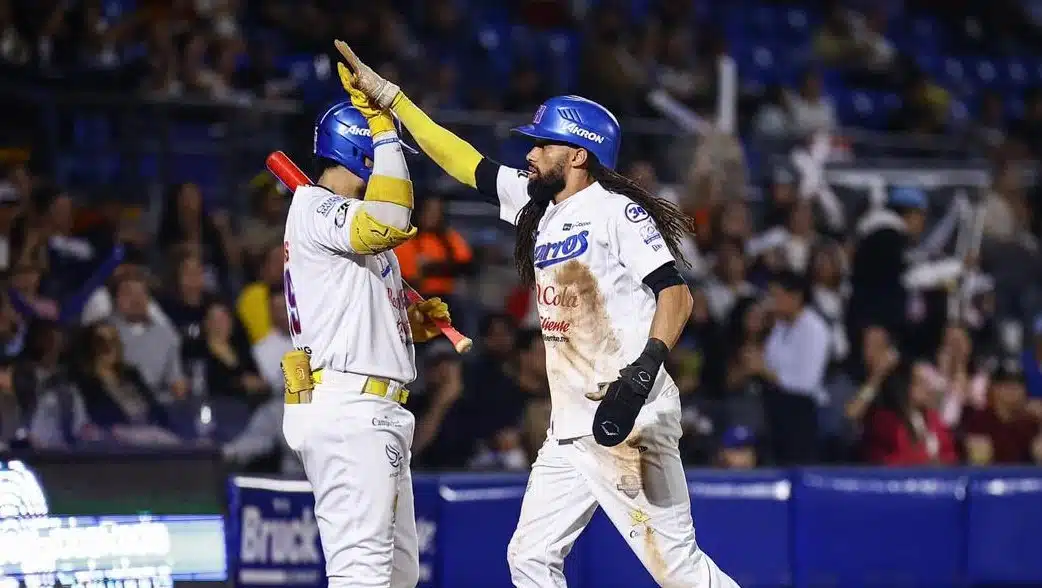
(503, 185)
(512, 189)
(326, 219)
(636, 239)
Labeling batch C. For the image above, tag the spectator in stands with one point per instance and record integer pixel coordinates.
(152, 348)
(850, 399)
(954, 379)
(230, 370)
(881, 278)
(829, 294)
(437, 257)
(187, 300)
(792, 242)
(793, 363)
(266, 223)
(728, 283)
(742, 403)
(39, 373)
(100, 305)
(696, 358)
(737, 449)
(13, 329)
(902, 428)
(252, 306)
(14, 48)
(532, 380)
(925, 106)
(1003, 432)
(267, 353)
(183, 220)
(987, 131)
(810, 109)
(1007, 215)
(444, 435)
(493, 367)
(771, 120)
(117, 397)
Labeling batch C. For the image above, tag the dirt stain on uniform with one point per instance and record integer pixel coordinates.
(628, 460)
(590, 334)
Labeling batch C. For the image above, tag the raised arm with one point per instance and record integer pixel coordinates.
(497, 183)
(384, 218)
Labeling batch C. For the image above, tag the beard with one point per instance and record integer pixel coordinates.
(543, 187)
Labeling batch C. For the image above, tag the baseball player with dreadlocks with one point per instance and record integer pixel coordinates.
(601, 253)
(353, 332)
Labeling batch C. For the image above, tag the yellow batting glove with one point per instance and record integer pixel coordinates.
(380, 121)
(422, 316)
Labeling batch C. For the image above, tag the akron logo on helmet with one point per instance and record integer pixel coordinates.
(21, 494)
(585, 134)
(358, 131)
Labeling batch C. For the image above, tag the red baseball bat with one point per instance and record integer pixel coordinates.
(291, 176)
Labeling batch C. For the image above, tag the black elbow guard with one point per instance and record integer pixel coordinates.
(665, 276)
(486, 177)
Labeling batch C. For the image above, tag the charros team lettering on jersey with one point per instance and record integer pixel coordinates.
(554, 252)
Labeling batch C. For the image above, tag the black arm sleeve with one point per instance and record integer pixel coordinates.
(662, 277)
(485, 177)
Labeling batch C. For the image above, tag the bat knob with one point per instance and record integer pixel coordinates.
(464, 345)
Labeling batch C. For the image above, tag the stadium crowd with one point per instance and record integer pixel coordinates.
(810, 341)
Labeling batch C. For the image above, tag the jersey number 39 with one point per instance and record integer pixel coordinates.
(291, 304)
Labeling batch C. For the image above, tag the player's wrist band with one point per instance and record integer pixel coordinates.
(386, 137)
(656, 350)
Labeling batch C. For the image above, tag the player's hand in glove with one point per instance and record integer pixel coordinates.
(379, 120)
(622, 400)
(380, 91)
(422, 316)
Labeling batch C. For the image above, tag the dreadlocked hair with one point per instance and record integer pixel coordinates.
(671, 221)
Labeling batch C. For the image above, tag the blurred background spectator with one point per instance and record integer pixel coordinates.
(865, 260)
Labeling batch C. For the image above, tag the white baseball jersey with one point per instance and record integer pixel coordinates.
(592, 254)
(348, 311)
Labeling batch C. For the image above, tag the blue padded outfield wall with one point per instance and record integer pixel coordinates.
(844, 528)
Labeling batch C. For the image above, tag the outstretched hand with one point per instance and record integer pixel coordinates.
(380, 91)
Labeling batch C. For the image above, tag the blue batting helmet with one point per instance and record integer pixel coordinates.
(342, 135)
(579, 122)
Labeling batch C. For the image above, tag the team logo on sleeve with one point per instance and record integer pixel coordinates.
(341, 214)
(650, 233)
(555, 252)
(636, 213)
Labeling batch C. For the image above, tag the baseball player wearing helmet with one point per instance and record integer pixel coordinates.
(601, 253)
(353, 332)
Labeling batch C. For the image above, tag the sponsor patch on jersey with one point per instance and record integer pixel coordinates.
(649, 233)
(328, 205)
(636, 213)
(341, 214)
(555, 252)
(570, 226)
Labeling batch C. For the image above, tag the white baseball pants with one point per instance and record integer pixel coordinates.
(355, 451)
(641, 486)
